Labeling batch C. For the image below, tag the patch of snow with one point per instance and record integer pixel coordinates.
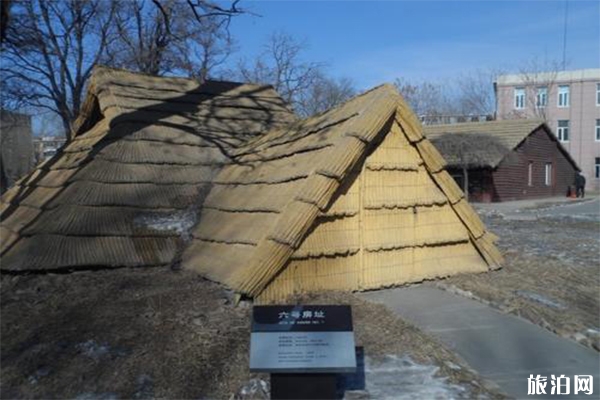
(452, 366)
(579, 337)
(93, 350)
(538, 298)
(254, 389)
(40, 373)
(592, 332)
(456, 290)
(96, 351)
(396, 377)
(144, 387)
(490, 213)
(180, 222)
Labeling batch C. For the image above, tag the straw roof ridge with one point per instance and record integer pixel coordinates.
(153, 95)
(367, 92)
(118, 77)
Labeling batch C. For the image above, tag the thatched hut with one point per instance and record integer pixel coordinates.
(505, 160)
(222, 179)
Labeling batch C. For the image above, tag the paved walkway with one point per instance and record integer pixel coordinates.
(500, 347)
(546, 207)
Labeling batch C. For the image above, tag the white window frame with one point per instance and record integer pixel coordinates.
(597, 137)
(542, 94)
(597, 168)
(564, 96)
(548, 174)
(519, 98)
(530, 174)
(597, 94)
(563, 132)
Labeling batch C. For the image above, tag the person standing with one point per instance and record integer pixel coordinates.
(580, 185)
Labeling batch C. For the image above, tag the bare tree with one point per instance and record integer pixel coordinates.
(207, 9)
(166, 36)
(539, 80)
(51, 46)
(206, 49)
(49, 52)
(467, 151)
(282, 66)
(427, 99)
(4, 17)
(475, 92)
(145, 34)
(468, 95)
(323, 94)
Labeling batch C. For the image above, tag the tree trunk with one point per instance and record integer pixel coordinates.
(466, 182)
(3, 177)
(67, 127)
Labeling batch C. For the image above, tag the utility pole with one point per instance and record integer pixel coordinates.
(564, 58)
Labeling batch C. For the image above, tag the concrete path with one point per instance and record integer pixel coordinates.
(543, 208)
(501, 348)
(587, 207)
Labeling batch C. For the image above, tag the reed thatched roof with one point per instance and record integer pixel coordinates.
(229, 184)
(144, 156)
(492, 141)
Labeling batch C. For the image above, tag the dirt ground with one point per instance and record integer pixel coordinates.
(551, 275)
(159, 333)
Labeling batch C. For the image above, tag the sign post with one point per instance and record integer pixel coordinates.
(303, 347)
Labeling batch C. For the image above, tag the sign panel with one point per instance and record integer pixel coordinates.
(302, 339)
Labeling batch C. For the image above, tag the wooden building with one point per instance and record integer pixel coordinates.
(223, 179)
(530, 163)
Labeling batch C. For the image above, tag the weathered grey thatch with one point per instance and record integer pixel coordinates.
(352, 199)
(508, 133)
(131, 182)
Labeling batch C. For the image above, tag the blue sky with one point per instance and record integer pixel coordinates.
(377, 41)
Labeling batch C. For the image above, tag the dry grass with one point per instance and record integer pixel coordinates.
(158, 333)
(127, 333)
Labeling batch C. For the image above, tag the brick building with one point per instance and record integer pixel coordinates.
(568, 101)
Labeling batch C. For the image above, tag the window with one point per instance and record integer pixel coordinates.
(563, 96)
(563, 130)
(541, 99)
(530, 174)
(598, 130)
(598, 94)
(519, 98)
(548, 180)
(597, 168)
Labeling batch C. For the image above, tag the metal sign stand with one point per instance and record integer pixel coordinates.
(303, 386)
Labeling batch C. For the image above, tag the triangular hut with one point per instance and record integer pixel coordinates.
(221, 179)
